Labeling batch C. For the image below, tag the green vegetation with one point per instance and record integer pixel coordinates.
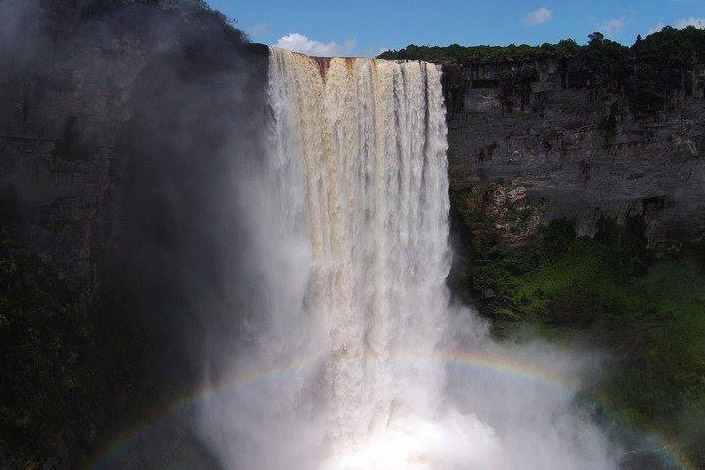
(647, 311)
(44, 342)
(674, 48)
(666, 63)
(606, 55)
(649, 72)
(60, 360)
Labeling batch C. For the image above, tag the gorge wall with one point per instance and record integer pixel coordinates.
(93, 94)
(123, 127)
(559, 147)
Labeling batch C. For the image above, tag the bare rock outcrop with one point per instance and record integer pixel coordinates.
(577, 151)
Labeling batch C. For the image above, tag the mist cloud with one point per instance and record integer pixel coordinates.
(259, 29)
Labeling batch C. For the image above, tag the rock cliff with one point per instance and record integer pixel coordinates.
(567, 149)
(555, 146)
(122, 128)
(75, 82)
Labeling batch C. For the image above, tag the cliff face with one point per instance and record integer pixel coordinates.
(562, 148)
(65, 99)
(75, 83)
(123, 128)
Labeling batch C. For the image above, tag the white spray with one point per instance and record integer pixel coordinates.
(351, 213)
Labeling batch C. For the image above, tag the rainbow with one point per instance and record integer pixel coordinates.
(499, 363)
(474, 359)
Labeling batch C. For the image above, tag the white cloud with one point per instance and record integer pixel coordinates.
(259, 29)
(300, 43)
(691, 21)
(613, 26)
(537, 17)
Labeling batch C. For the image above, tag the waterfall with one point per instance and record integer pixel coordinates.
(348, 361)
(359, 146)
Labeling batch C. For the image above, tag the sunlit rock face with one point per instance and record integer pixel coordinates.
(577, 150)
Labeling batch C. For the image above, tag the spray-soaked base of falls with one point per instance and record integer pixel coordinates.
(357, 361)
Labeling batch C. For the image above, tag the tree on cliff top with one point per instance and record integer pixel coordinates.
(596, 38)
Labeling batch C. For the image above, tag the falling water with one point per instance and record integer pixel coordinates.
(349, 218)
(370, 137)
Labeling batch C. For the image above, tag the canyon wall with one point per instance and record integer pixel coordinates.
(87, 93)
(559, 147)
(123, 126)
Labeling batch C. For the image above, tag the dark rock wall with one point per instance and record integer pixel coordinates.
(74, 81)
(64, 99)
(124, 130)
(572, 150)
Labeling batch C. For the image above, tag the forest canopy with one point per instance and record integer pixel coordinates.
(680, 47)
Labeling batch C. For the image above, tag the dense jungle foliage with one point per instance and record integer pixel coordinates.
(643, 306)
(676, 47)
(59, 362)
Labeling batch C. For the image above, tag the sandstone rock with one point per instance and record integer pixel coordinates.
(575, 157)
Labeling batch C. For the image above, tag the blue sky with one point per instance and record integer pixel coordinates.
(364, 27)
